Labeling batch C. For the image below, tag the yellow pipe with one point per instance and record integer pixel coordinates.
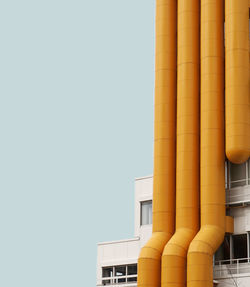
(237, 81)
(149, 262)
(187, 153)
(212, 173)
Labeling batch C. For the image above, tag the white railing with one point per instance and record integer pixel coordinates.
(126, 279)
(234, 197)
(231, 267)
(243, 182)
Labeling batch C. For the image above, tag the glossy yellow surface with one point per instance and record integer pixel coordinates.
(229, 224)
(149, 262)
(237, 80)
(212, 165)
(188, 140)
(197, 79)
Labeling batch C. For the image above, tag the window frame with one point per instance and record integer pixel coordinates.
(116, 279)
(229, 182)
(233, 248)
(149, 216)
(232, 260)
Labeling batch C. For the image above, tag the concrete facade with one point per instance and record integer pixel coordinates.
(227, 272)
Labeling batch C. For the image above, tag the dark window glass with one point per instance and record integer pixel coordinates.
(249, 171)
(119, 274)
(237, 174)
(240, 246)
(132, 279)
(107, 272)
(120, 271)
(226, 170)
(132, 270)
(223, 253)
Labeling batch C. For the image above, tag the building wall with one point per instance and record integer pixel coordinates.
(116, 253)
(143, 192)
(124, 252)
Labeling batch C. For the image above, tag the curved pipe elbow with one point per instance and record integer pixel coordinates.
(174, 258)
(149, 261)
(237, 156)
(200, 255)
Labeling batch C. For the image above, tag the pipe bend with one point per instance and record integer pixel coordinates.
(149, 261)
(207, 240)
(174, 257)
(237, 156)
(178, 244)
(200, 255)
(154, 247)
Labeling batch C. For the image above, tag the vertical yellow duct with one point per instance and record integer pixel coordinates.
(237, 81)
(149, 262)
(188, 142)
(212, 174)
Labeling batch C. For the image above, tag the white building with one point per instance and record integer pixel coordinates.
(117, 260)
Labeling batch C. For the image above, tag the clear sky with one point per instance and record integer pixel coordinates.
(76, 128)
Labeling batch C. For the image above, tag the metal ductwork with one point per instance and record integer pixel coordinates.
(188, 140)
(149, 262)
(237, 80)
(212, 166)
(202, 113)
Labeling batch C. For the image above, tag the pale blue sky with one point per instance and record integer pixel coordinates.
(76, 126)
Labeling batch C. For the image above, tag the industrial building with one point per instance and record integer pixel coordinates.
(117, 260)
(192, 217)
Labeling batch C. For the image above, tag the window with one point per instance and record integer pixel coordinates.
(235, 254)
(132, 270)
(119, 274)
(120, 271)
(223, 253)
(107, 272)
(146, 212)
(226, 174)
(248, 167)
(237, 174)
(236, 246)
(240, 246)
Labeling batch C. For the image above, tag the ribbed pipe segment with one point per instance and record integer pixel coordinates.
(149, 262)
(212, 170)
(174, 259)
(237, 81)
